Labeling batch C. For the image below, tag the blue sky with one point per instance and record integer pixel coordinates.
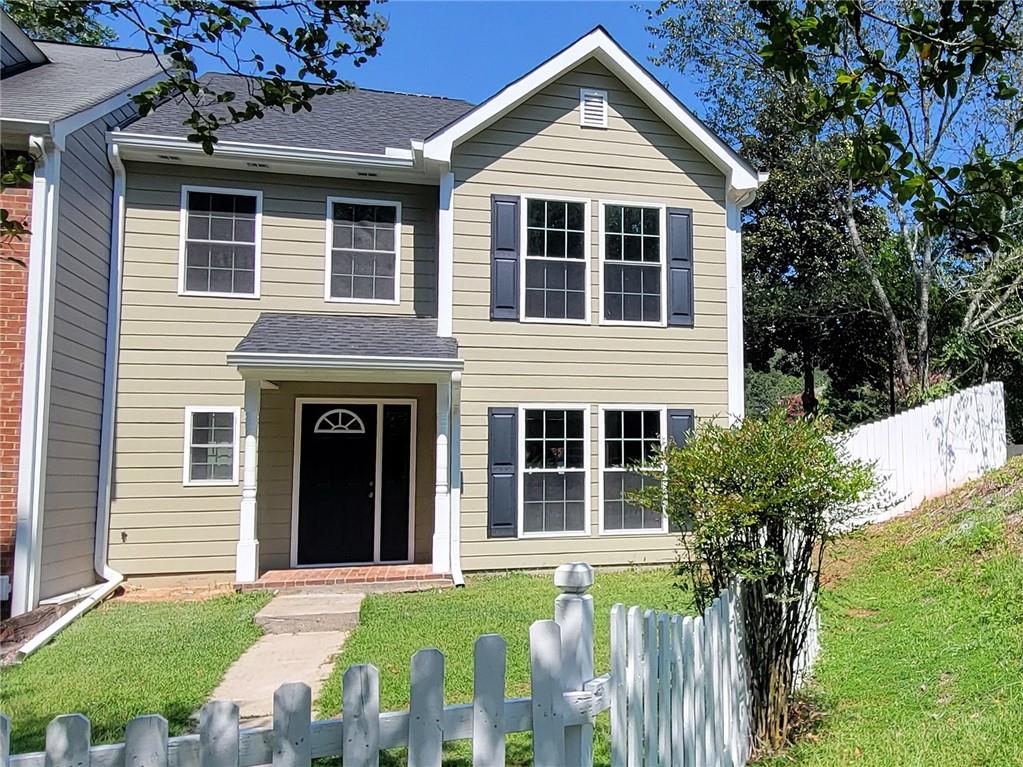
(469, 50)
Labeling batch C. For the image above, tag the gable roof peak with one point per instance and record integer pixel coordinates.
(598, 43)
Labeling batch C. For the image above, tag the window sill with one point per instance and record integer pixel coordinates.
(553, 321)
(566, 534)
(634, 323)
(633, 533)
(204, 294)
(377, 301)
(211, 483)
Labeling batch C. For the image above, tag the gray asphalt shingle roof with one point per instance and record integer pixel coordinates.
(346, 335)
(76, 78)
(351, 121)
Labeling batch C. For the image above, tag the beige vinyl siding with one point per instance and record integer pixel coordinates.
(172, 352)
(81, 280)
(540, 148)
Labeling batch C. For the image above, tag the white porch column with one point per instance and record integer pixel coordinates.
(442, 491)
(247, 558)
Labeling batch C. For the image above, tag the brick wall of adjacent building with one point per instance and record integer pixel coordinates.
(13, 301)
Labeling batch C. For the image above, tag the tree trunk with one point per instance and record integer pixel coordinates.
(806, 360)
(898, 338)
(923, 315)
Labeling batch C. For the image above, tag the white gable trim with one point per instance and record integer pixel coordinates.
(600, 46)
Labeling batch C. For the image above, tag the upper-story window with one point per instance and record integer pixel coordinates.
(633, 264)
(220, 242)
(555, 276)
(363, 244)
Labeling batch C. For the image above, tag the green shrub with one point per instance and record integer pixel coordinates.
(761, 501)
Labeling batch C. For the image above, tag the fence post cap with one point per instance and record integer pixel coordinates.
(574, 577)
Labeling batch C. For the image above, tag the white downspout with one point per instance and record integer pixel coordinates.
(111, 577)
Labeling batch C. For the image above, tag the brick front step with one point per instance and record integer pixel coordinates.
(371, 577)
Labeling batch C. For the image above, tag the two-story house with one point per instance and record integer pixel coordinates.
(408, 331)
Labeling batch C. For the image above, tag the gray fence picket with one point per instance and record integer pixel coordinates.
(678, 709)
(5, 739)
(67, 741)
(545, 670)
(218, 734)
(619, 688)
(664, 682)
(489, 663)
(635, 682)
(145, 742)
(426, 709)
(292, 742)
(703, 752)
(650, 687)
(689, 692)
(360, 695)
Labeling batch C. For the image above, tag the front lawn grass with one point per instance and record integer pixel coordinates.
(923, 638)
(392, 627)
(126, 659)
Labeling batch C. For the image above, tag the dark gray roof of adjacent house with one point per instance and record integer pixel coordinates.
(351, 121)
(75, 78)
(346, 335)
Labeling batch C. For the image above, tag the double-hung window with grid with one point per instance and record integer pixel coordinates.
(221, 242)
(633, 268)
(363, 250)
(555, 262)
(632, 439)
(554, 480)
(211, 446)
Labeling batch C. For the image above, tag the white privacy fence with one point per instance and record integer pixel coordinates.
(934, 448)
(677, 691)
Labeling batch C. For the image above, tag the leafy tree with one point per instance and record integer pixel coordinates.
(762, 501)
(925, 97)
(288, 50)
(913, 87)
(87, 30)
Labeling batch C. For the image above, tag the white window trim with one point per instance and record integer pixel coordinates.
(663, 217)
(329, 222)
(587, 450)
(183, 238)
(601, 410)
(186, 478)
(587, 247)
(583, 93)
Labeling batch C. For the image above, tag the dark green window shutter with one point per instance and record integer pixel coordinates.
(502, 465)
(680, 267)
(680, 423)
(504, 257)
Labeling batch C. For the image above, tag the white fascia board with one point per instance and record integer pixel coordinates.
(267, 360)
(62, 128)
(139, 145)
(20, 40)
(598, 44)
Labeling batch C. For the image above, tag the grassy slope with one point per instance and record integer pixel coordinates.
(923, 637)
(122, 660)
(393, 627)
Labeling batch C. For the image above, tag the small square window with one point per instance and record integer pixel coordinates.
(211, 449)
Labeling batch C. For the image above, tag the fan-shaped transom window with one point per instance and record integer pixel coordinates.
(339, 421)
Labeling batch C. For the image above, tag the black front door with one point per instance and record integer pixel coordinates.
(339, 503)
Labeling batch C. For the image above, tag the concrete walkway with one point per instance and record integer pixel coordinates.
(303, 634)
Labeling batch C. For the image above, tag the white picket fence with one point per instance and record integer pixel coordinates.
(677, 693)
(933, 449)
